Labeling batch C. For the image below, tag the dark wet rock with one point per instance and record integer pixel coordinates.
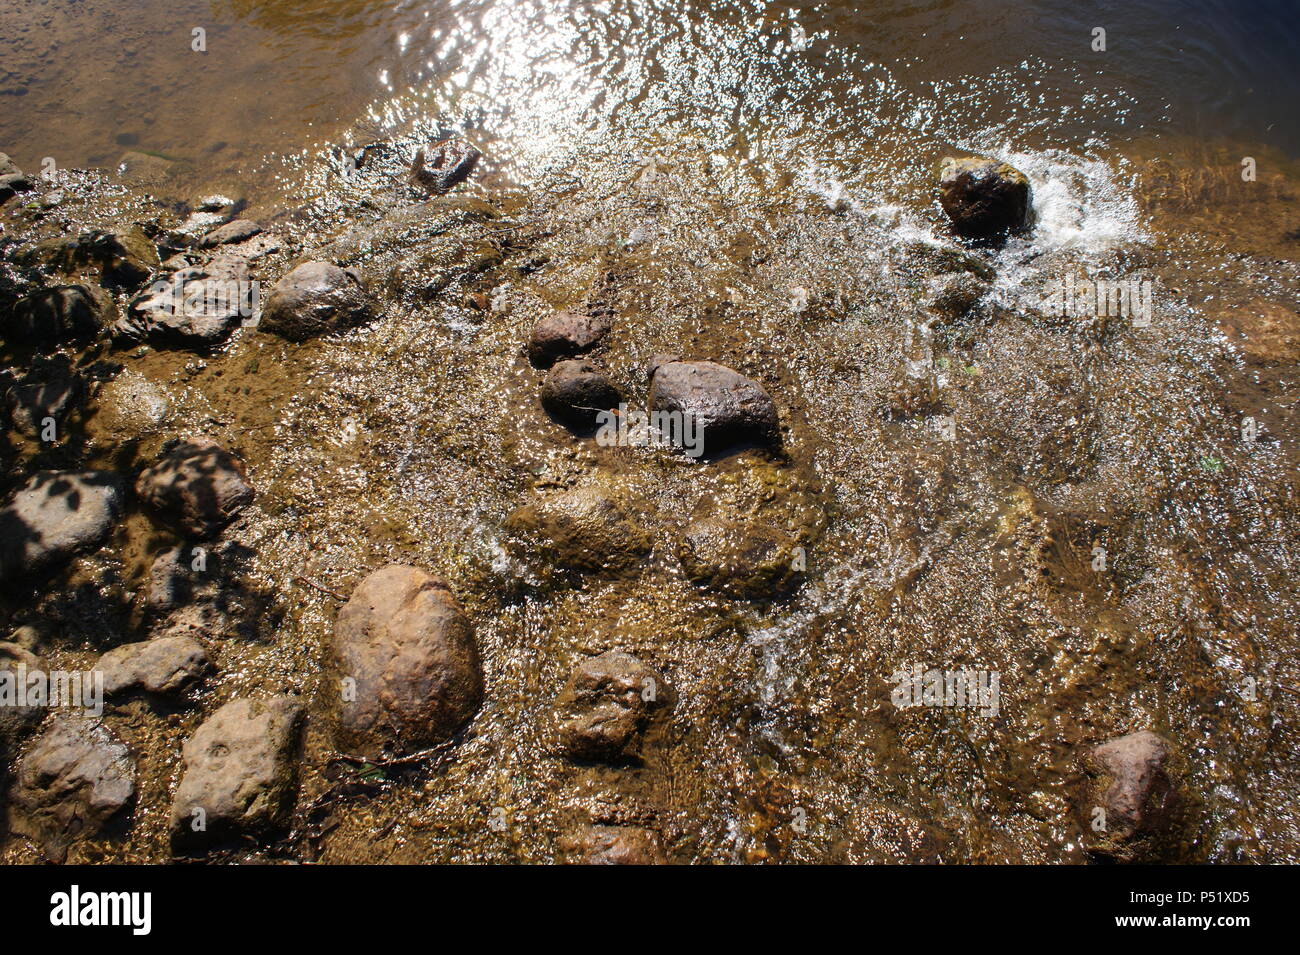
(50, 391)
(1134, 794)
(607, 706)
(239, 230)
(984, 198)
(565, 335)
(612, 845)
(739, 560)
(124, 259)
(169, 666)
(194, 307)
(447, 164)
(54, 516)
(407, 667)
(316, 298)
(880, 835)
(76, 780)
(584, 529)
(577, 391)
(16, 661)
(65, 313)
(197, 486)
(240, 774)
(727, 407)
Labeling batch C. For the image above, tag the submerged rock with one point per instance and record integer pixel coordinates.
(727, 407)
(197, 486)
(406, 662)
(65, 313)
(985, 199)
(565, 335)
(606, 707)
(740, 560)
(237, 231)
(447, 164)
(612, 845)
(584, 529)
(169, 666)
(240, 773)
(131, 406)
(316, 298)
(576, 391)
(54, 516)
(76, 780)
(1133, 796)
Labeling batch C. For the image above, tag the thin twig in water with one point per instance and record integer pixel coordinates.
(317, 587)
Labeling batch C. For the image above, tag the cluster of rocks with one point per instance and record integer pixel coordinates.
(404, 674)
(727, 409)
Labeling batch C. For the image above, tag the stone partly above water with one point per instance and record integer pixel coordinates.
(240, 773)
(727, 407)
(446, 165)
(316, 298)
(607, 706)
(1133, 794)
(406, 666)
(196, 307)
(236, 231)
(576, 391)
(197, 486)
(985, 199)
(565, 335)
(76, 780)
(54, 516)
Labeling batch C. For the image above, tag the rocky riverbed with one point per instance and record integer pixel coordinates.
(367, 581)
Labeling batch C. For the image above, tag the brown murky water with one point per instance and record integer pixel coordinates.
(748, 183)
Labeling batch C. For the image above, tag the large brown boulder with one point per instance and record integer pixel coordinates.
(406, 665)
(197, 486)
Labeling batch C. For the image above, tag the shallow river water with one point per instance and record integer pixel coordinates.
(751, 183)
